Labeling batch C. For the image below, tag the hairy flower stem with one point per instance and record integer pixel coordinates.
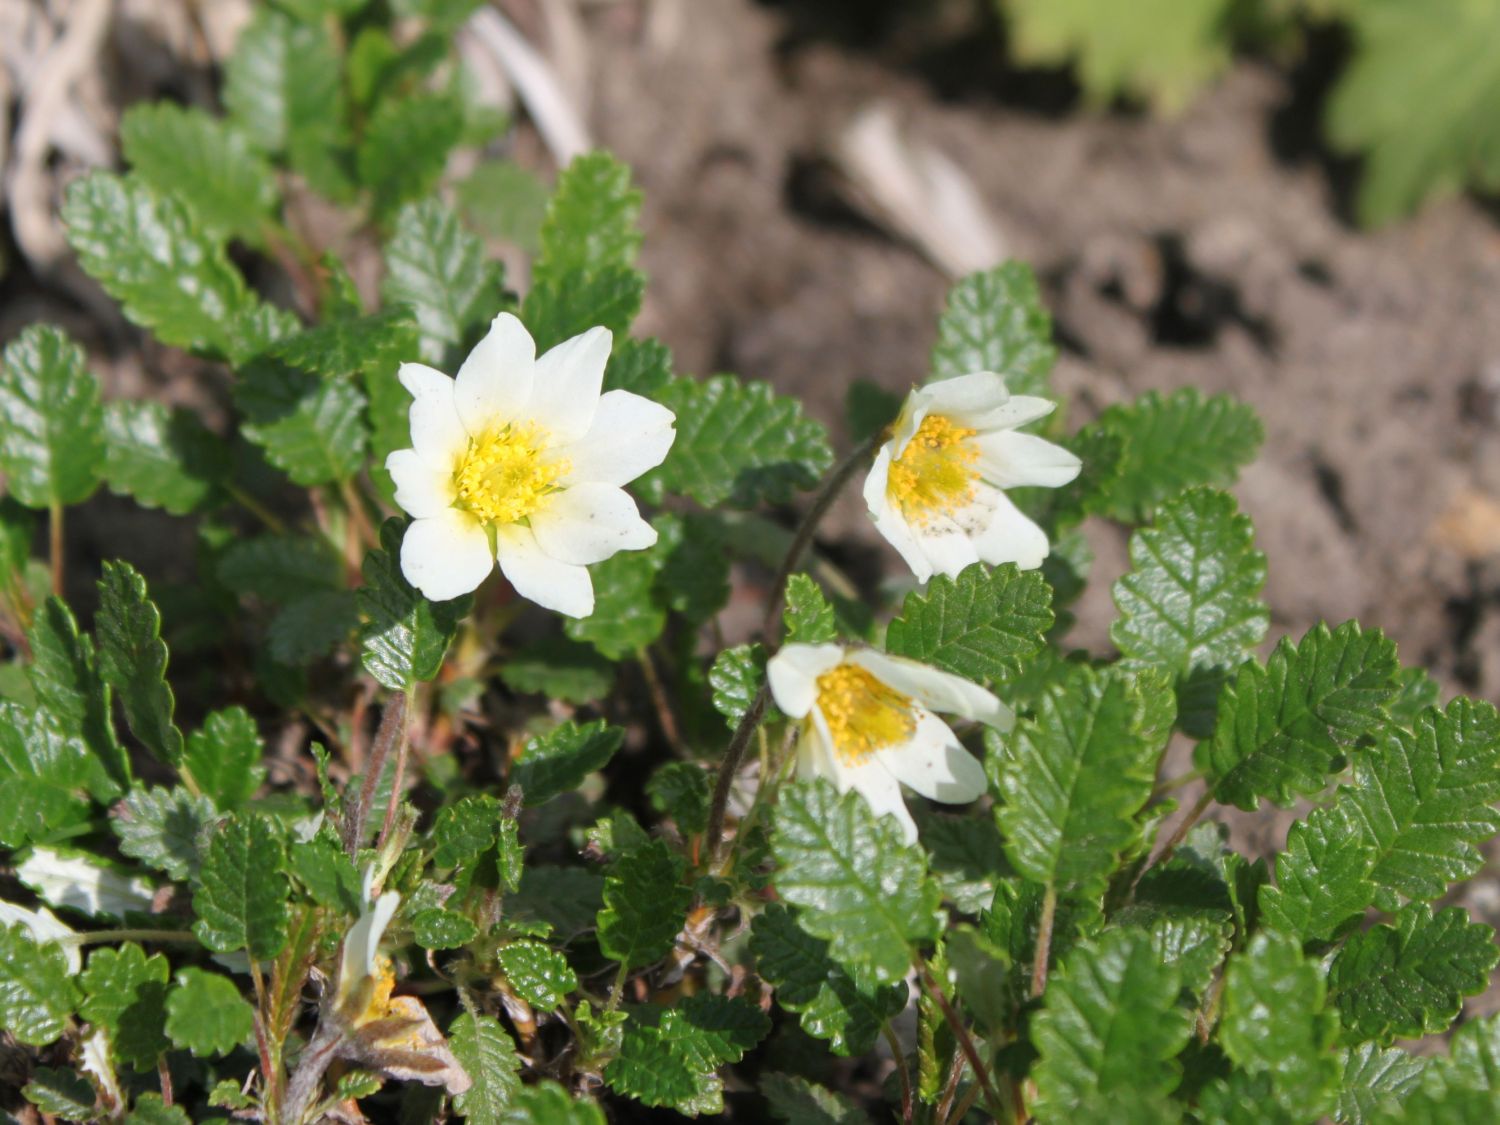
(307, 1079)
(1044, 941)
(809, 526)
(55, 546)
(392, 730)
(965, 1042)
(727, 769)
(97, 937)
(902, 1072)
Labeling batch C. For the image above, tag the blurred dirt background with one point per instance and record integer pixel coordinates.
(1211, 250)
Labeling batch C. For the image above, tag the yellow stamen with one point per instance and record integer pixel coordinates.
(863, 714)
(935, 472)
(503, 476)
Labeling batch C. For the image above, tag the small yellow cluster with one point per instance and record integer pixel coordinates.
(935, 473)
(863, 714)
(503, 475)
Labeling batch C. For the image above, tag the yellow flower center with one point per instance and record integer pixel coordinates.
(935, 472)
(863, 714)
(503, 476)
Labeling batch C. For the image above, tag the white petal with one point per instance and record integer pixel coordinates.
(1002, 532)
(933, 688)
(1012, 460)
(422, 488)
(362, 942)
(565, 394)
(446, 555)
(1021, 410)
(590, 522)
(538, 577)
(793, 675)
(888, 518)
(814, 755)
(944, 544)
(494, 384)
(936, 765)
(436, 432)
(977, 393)
(629, 434)
(879, 787)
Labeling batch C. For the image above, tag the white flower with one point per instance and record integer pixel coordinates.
(868, 725)
(522, 458)
(936, 490)
(365, 976)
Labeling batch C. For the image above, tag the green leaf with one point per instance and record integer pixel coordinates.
(488, 1056)
(51, 424)
(133, 659)
(626, 618)
(1410, 55)
(591, 220)
(62, 1093)
(558, 761)
(737, 675)
(464, 829)
(1473, 1058)
(556, 311)
(406, 145)
(1160, 51)
(537, 974)
(797, 1101)
(857, 883)
(503, 200)
(1424, 800)
(310, 628)
(808, 615)
(327, 873)
(1273, 1022)
(44, 776)
(152, 1109)
(1190, 604)
(655, 1065)
(1376, 1081)
(995, 321)
(559, 669)
(206, 1014)
(160, 828)
(405, 636)
(160, 457)
(64, 675)
(727, 1027)
(1408, 980)
(645, 905)
(1074, 778)
(565, 898)
(339, 347)
(126, 993)
(1283, 728)
(151, 256)
(642, 367)
(547, 1103)
(1174, 443)
(1109, 1031)
(968, 858)
(241, 901)
(438, 268)
(832, 1005)
(442, 929)
(180, 150)
(680, 791)
(282, 89)
(737, 443)
(280, 568)
(983, 625)
(224, 757)
(1419, 691)
(1322, 878)
(310, 428)
(694, 575)
(37, 993)
(1193, 943)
